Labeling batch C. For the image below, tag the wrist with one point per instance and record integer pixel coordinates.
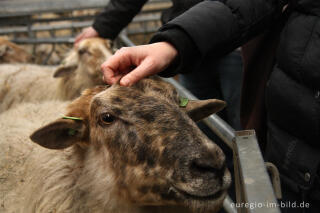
(170, 52)
(170, 48)
(188, 55)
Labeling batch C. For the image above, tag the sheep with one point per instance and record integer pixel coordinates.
(120, 149)
(14, 155)
(12, 53)
(34, 83)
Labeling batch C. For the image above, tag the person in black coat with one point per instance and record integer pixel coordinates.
(292, 97)
(225, 80)
(119, 13)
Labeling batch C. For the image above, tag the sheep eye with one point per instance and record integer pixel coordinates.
(9, 49)
(83, 51)
(106, 118)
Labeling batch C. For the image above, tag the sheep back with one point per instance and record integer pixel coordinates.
(19, 156)
(26, 83)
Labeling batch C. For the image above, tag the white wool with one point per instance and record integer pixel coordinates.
(26, 83)
(15, 147)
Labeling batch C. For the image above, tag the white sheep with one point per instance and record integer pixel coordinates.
(15, 127)
(127, 150)
(34, 83)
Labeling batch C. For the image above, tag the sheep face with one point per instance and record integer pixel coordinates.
(11, 53)
(153, 149)
(84, 61)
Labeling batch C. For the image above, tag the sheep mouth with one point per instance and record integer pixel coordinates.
(208, 203)
(211, 197)
(213, 193)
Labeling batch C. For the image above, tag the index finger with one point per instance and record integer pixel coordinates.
(78, 39)
(114, 68)
(109, 76)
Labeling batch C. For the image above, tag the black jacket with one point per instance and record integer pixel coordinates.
(119, 13)
(213, 28)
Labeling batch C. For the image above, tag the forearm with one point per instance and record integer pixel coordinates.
(216, 27)
(117, 15)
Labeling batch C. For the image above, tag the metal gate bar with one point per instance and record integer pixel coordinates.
(77, 24)
(14, 8)
(16, 17)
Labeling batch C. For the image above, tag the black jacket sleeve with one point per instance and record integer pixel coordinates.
(117, 15)
(217, 27)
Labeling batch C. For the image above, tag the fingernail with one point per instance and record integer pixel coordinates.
(124, 82)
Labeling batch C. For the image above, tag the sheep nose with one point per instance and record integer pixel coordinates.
(208, 165)
(202, 172)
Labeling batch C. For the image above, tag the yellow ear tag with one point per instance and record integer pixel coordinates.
(72, 118)
(183, 102)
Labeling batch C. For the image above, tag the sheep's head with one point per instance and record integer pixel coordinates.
(12, 53)
(84, 61)
(151, 145)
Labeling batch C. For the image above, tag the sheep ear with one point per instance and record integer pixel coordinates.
(64, 70)
(108, 43)
(59, 134)
(200, 109)
(3, 49)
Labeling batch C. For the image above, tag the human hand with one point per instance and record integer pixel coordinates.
(88, 32)
(130, 64)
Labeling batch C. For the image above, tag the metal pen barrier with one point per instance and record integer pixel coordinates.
(24, 23)
(19, 17)
(14, 8)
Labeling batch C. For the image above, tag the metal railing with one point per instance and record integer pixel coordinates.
(19, 17)
(14, 8)
(24, 20)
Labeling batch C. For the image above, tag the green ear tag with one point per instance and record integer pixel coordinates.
(72, 118)
(72, 132)
(183, 102)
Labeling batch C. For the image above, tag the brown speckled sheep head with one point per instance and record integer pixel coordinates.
(152, 146)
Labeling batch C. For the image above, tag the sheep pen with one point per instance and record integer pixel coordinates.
(35, 83)
(119, 149)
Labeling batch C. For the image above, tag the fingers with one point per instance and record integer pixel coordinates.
(131, 64)
(86, 33)
(116, 67)
(109, 76)
(111, 80)
(146, 68)
(78, 39)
